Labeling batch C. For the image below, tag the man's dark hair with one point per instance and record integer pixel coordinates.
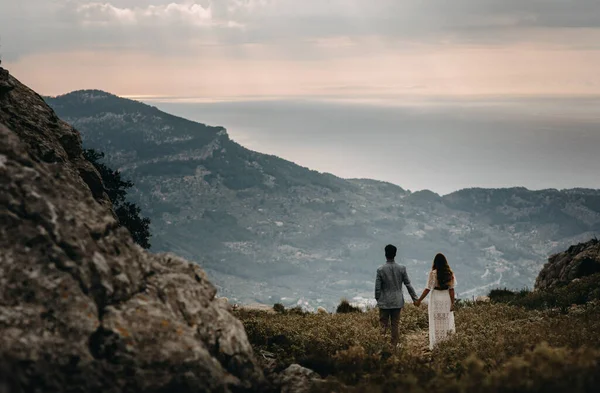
(390, 251)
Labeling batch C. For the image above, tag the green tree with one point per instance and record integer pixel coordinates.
(128, 213)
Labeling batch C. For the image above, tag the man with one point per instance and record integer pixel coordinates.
(388, 292)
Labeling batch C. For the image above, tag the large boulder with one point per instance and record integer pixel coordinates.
(83, 308)
(578, 261)
(297, 379)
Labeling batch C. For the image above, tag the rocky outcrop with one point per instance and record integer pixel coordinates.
(5, 85)
(578, 261)
(298, 379)
(83, 308)
(47, 138)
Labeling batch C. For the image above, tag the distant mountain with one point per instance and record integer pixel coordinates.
(268, 230)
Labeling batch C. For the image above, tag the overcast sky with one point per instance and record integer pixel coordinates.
(248, 48)
(476, 92)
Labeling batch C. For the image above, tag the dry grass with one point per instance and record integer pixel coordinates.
(498, 347)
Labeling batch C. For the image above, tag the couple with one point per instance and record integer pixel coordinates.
(390, 300)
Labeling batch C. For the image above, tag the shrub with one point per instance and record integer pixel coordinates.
(501, 295)
(115, 187)
(279, 308)
(462, 303)
(577, 292)
(346, 307)
(543, 369)
(297, 311)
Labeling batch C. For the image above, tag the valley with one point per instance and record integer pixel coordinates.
(267, 230)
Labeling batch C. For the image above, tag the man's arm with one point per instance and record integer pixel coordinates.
(410, 288)
(423, 296)
(378, 285)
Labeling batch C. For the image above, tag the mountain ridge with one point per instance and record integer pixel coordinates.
(277, 230)
(104, 94)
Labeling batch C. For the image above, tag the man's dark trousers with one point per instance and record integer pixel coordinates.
(387, 315)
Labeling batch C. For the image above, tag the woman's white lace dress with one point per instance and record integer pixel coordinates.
(441, 319)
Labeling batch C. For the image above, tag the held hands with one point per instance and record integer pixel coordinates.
(417, 303)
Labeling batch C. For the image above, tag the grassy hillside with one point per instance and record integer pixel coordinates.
(527, 346)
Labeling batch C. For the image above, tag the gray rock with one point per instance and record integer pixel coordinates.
(297, 379)
(5, 85)
(578, 261)
(82, 307)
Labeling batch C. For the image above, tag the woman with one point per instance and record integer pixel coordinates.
(441, 284)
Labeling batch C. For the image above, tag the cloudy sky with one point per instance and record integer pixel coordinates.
(274, 48)
(438, 94)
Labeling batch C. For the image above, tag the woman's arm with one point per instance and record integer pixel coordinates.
(428, 288)
(451, 290)
(423, 296)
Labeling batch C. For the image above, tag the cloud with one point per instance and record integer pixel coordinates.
(154, 26)
(98, 13)
(300, 30)
(375, 50)
(79, 23)
(170, 14)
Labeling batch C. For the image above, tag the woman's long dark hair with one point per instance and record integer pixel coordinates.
(444, 273)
